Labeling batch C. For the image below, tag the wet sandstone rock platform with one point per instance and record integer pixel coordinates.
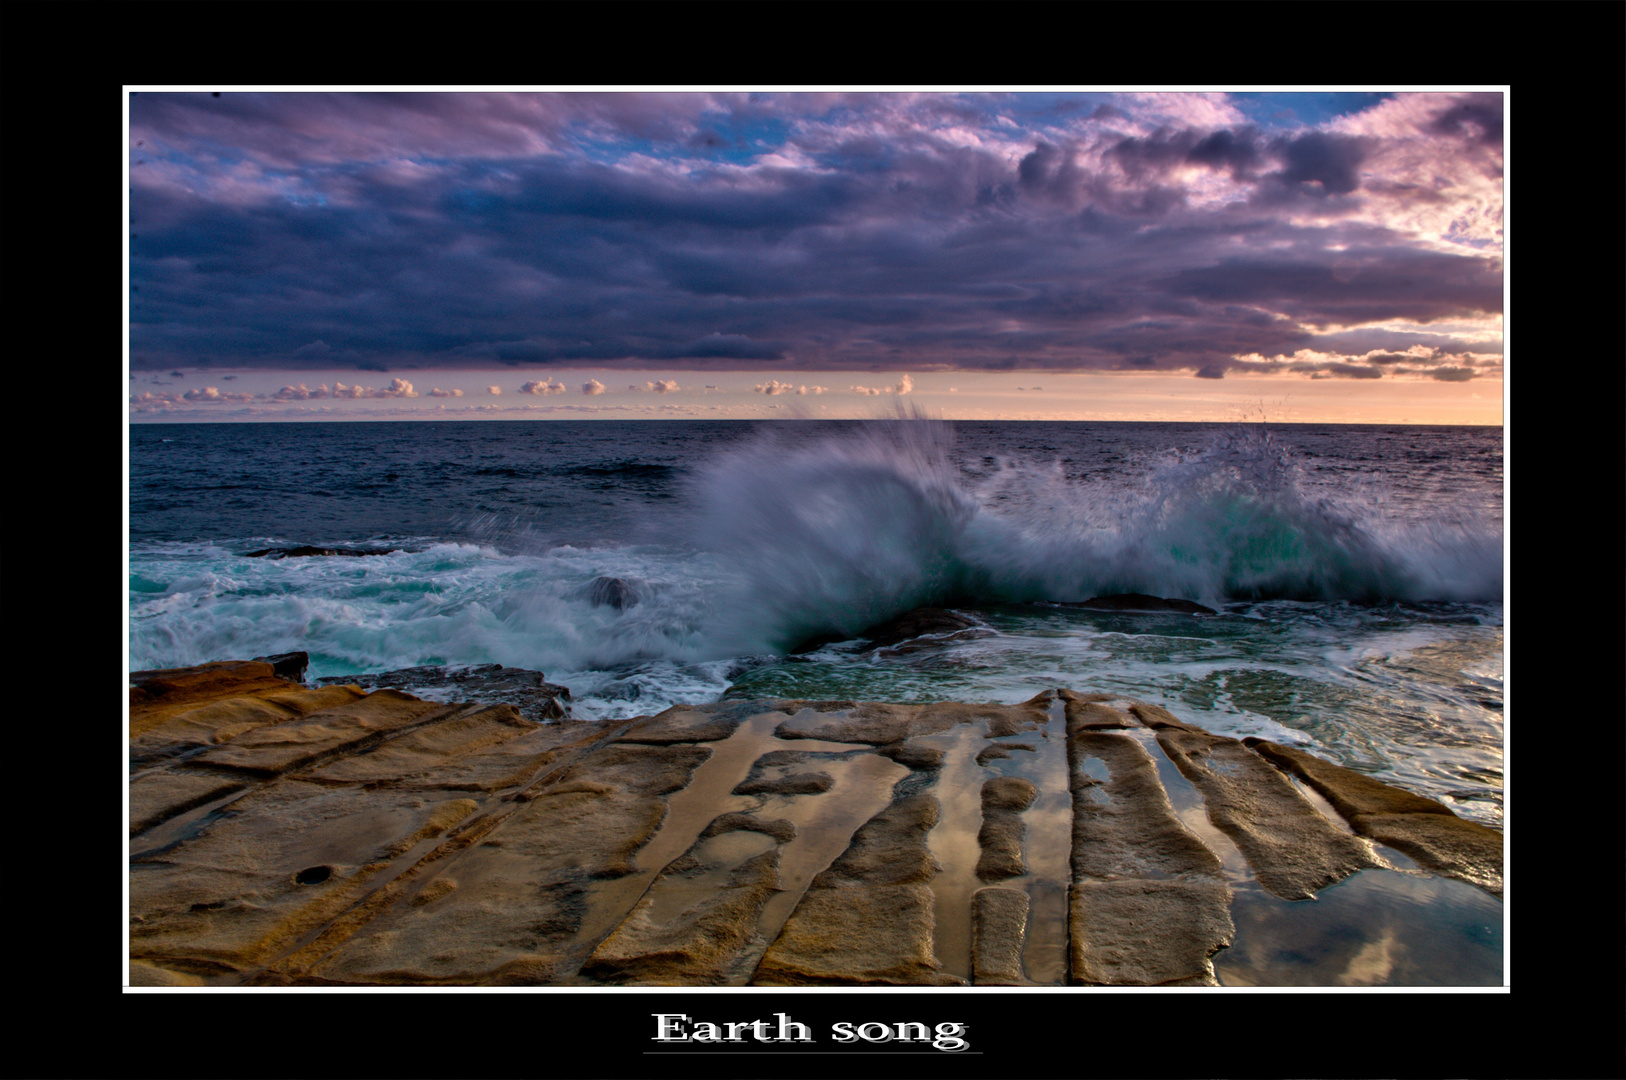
(282, 835)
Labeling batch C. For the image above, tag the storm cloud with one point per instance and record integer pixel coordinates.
(811, 232)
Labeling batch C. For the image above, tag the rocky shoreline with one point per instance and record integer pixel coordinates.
(358, 833)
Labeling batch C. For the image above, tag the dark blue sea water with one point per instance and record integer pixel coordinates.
(1357, 570)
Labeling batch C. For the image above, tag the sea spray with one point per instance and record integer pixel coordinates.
(1233, 522)
(818, 530)
(833, 533)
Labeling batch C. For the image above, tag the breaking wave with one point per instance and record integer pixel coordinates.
(831, 535)
(820, 530)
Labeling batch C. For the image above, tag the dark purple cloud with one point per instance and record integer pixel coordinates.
(1474, 117)
(1140, 232)
(1352, 288)
(1235, 151)
(1330, 161)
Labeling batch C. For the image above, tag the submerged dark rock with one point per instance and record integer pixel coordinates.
(1141, 602)
(904, 634)
(817, 641)
(918, 623)
(300, 552)
(612, 592)
(288, 665)
(526, 690)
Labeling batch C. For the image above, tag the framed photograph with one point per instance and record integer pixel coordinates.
(1011, 542)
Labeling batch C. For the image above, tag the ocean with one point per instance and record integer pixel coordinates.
(1356, 572)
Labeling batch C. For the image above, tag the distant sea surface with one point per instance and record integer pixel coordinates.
(1357, 571)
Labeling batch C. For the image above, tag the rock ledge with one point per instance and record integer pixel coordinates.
(283, 834)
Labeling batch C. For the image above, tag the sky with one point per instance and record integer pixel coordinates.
(1138, 255)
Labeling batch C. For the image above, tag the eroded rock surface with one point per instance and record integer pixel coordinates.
(697, 924)
(1003, 800)
(526, 690)
(999, 924)
(1148, 931)
(1148, 905)
(283, 834)
(1293, 849)
(868, 918)
(1424, 829)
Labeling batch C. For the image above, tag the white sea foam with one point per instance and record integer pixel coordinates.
(792, 538)
(835, 535)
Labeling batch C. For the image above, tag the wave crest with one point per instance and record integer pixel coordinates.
(833, 534)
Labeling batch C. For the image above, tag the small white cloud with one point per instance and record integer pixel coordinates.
(494, 391)
(592, 386)
(147, 401)
(544, 388)
(398, 388)
(438, 392)
(904, 386)
(211, 393)
(774, 386)
(662, 386)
